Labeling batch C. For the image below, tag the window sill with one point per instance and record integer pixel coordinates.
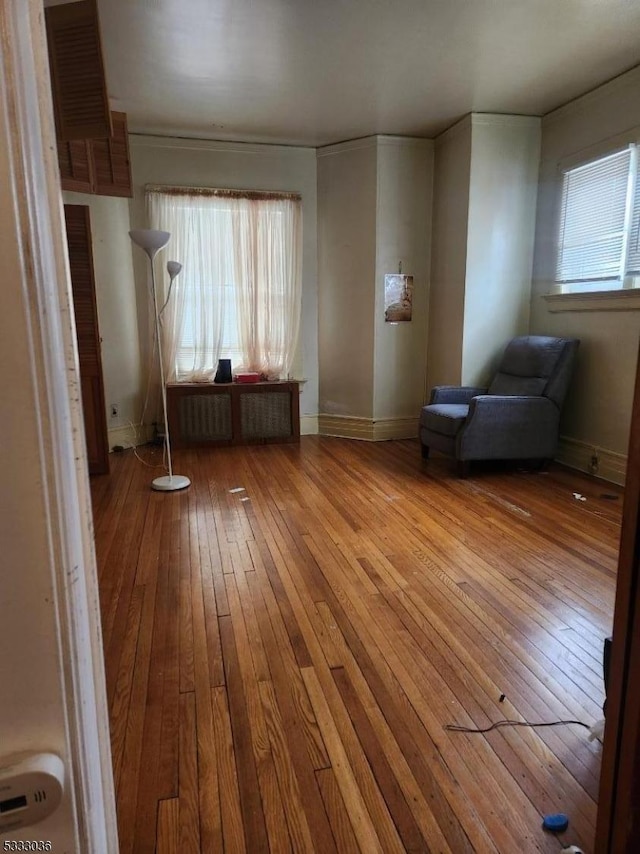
(622, 300)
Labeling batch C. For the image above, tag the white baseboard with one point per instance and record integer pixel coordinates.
(128, 436)
(308, 425)
(367, 429)
(577, 454)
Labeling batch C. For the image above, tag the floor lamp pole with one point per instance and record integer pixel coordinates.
(152, 241)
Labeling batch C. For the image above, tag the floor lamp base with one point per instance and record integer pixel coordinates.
(168, 483)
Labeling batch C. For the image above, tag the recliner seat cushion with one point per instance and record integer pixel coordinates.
(444, 418)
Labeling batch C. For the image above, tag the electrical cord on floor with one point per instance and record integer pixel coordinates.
(497, 724)
(135, 428)
(145, 463)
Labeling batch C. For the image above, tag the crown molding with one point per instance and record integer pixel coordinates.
(455, 130)
(598, 149)
(629, 78)
(505, 120)
(347, 145)
(140, 140)
(375, 141)
(406, 141)
(472, 120)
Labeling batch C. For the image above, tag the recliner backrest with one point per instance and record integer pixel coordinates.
(536, 365)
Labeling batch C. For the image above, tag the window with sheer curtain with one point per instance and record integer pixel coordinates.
(239, 293)
(599, 226)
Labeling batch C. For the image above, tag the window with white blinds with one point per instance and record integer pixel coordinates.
(598, 241)
(633, 251)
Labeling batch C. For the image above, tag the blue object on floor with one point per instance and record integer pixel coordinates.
(556, 822)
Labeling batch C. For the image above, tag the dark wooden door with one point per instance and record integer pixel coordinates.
(618, 827)
(86, 315)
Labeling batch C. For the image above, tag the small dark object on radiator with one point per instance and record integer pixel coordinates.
(223, 374)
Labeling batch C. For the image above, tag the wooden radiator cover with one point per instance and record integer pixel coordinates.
(233, 413)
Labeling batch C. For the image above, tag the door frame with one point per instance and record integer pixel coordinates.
(31, 206)
(34, 202)
(98, 463)
(618, 825)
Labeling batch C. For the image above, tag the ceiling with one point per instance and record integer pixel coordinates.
(314, 72)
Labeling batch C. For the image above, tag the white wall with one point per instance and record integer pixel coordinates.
(485, 188)
(598, 408)
(117, 309)
(452, 167)
(404, 190)
(346, 275)
(203, 163)
(505, 154)
(374, 210)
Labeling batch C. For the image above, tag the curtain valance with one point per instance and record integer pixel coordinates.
(252, 195)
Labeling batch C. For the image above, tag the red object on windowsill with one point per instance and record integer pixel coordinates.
(248, 377)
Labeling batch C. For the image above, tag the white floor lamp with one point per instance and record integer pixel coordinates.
(152, 241)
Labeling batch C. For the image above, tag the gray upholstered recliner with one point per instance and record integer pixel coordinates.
(517, 417)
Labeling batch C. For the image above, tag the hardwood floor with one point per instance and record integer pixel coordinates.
(282, 660)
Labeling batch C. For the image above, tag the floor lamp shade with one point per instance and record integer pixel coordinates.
(152, 241)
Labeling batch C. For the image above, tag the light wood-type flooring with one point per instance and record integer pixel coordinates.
(286, 640)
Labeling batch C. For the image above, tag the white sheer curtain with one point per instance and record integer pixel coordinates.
(268, 266)
(192, 323)
(239, 293)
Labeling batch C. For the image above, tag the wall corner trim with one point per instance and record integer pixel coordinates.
(309, 425)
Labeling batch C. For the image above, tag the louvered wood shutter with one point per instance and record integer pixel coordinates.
(80, 101)
(112, 172)
(76, 170)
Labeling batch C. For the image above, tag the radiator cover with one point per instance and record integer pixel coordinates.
(232, 414)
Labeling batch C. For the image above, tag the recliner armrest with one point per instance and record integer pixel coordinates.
(509, 426)
(514, 406)
(454, 393)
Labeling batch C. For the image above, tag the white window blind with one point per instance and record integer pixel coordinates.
(593, 218)
(633, 252)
